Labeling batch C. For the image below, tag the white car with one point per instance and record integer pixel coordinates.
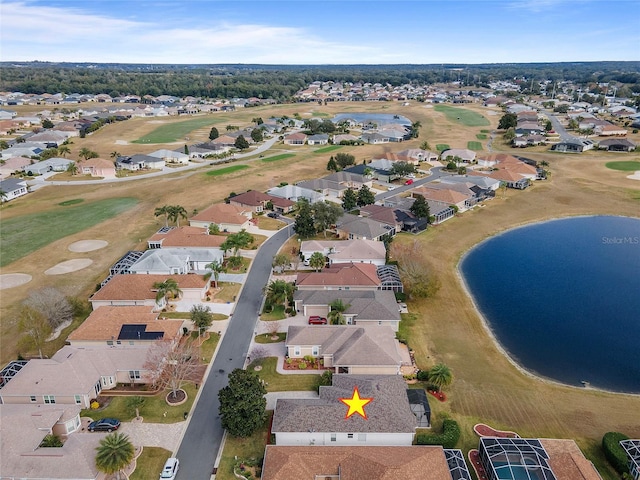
(170, 469)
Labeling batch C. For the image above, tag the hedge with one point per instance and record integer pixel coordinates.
(614, 452)
(448, 438)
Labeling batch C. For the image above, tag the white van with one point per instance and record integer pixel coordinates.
(170, 469)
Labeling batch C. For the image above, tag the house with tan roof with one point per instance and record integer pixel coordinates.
(75, 375)
(297, 138)
(257, 202)
(322, 421)
(108, 326)
(510, 179)
(12, 165)
(448, 196)
(346, 251)
(352, 276)
(610, 130)
(464, 154)
(97, 167)
(347, 349)
(134, 290)
(355, 227)
(229, 218)
(185, 236)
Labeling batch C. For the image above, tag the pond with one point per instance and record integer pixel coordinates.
(377, 118)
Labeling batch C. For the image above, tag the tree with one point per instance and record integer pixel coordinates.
(317, 261)
(171, 364)
(349, 200)
(175, 212)
(415, 129)
(281, 261)
(365, 196)
(87, 154)
(508, 120)
(336, 310)
(51, 303)
(242, 403)
(304, 225)
(414, 270)
(115, 155)
(278, 292)
(167, 289)
(325, 214)
(164, 210)
(186, 149)
(114, 453)
(425, 146)
(134, 404)
(241, 143)
(257, 120)
(214, 229)
(402, 168)
(46, 123)
(201, 317)
(548, 126)
(72, 168)
(332, 166)
(237, 241)
(213, 133)
(36, 326)
(3, 145)
(256, 135)
(345, 159)
(510, 134)
(214, 268)
(420, 207)
(64, 150)
(440, 376)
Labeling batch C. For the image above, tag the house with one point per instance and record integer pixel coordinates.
(344, 138)
(374, 138)
(55, 164)
(364, 307)
(138, 325)
(327, 188)
(13, 165)
(185, 236)
(295, 193)
(256, 201)
(297, 138)
(23, 429)
(318, 139)
(352, 276)
(484, 182)
(350, 179)
(354, 227)
(97, 167)
(132, 290)
(445, 195)
(416, 155)
(171, 156)
(346, 251)
(347, 348)
(176, 260)
(418, 462)
(463, 154)
(573, 146)
(322, 421)
(632, 449)
(75, 375)
(510, 179)
(13, 188)
(133, 163)
(389, 216)
(609, 130)
(552, 459)
(617, 145)
(228, 218)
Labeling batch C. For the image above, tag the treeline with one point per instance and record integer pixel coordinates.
(281, 82)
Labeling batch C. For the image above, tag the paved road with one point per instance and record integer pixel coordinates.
(436, 173)
(203, 436)
(559, 128)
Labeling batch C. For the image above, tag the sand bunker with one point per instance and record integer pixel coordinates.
(87, 245)
(635, 176)
(69, 266)
(122, 142)
(11, 280)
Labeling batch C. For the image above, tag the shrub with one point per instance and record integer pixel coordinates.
(309, 358)
(289, 311)
(51, 441)
(302, 365)
(94, 405)
(423, 375)
(448, 438)
(613, 452)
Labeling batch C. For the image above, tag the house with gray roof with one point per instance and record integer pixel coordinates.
(349, 179)
(346, 251)
(295, 193)
(170, 156)
(175, 261)
(364, 307)
(318, 139)
(13, 188)
(323, 421)
(346, 348)
(139, 162)
(464, 154)
(355, 227)
(328, 188)
(55, 164)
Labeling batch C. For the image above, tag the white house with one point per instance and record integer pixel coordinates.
(13, 188)
(170, 156)
(346, 251)
(172, 261)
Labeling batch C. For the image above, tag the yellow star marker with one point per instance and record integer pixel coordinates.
(356, 404)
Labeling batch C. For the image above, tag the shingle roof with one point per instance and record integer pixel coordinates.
(567, 461)
(187, 236)
(252, 197)
(354, 274)
(164, 259)
(223, 213)
(367, 305)
(140, 287)
(362, 226)
(347, 249)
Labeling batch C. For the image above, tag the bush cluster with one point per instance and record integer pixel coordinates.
(614, 452)
(448, 438)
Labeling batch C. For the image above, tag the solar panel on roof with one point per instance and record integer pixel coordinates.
(137, 331)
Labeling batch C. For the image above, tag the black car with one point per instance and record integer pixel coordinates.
(104, 425)
(272, 215)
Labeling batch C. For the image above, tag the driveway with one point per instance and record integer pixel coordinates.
(166, 436)
(436, 173)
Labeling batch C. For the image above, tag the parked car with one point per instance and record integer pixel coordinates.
(104, 425)
(409, 182)
(272, 215)
(170, 469)
(317, 320)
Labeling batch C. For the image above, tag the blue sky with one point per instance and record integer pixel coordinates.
(320, 31)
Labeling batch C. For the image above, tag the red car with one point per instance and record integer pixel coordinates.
(317, 320)
(409, 182)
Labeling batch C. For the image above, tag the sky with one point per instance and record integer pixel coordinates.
(319, 32)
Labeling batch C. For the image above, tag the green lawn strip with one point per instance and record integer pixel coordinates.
(276, 314)
(441, 147)
(473, 145)
(187, 315)
(225, 170)
(20, 236)
(228, 291)
(407, 321)
(275, 158)
(276, 382)
(481, 136)
(330, 148)
(466, 117)
(150, 463)
(485, 131)
(75, 201)
(625, 166)
(320, 114)
(266, 338)
(152, 411)
(208, 348)
(172, 132)
(249, 449)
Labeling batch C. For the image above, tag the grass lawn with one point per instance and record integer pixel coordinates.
(174, 131)
(45, 227)
(225, 170)
(481, 136)
(268, 223)
(473, 145)
(468, 118)
(275, 158)
(330, 148)
(149, 464)
(244, 448)
(266, 338)
(277, 382)
(625, 166)
(75, 201)
(485, 131)
(441, 147)
(228, 291)
(276, 314)
(208, 348)
(152, 411)
(187, 315)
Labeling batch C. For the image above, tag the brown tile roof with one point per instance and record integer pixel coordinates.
(188, 237)
(223, 213)
(448, 196)
(252, 198)
(140, 287)
(381, 214)
(105, 323)
(506, 175)
(355, 463)
(282, 202)
(96, 162)
(567, 461)
(354, 274)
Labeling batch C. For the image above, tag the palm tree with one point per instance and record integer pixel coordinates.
(278, 291)
(317, 261)
(440, 376)
(337, 308)
(175, 212)
(115, 154)
(64, 150)
(114, 453)
(167, 288)
(215, 269)
(87, 154)
(164, 210)
(73, 168)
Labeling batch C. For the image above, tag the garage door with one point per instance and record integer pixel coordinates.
(316, 310)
